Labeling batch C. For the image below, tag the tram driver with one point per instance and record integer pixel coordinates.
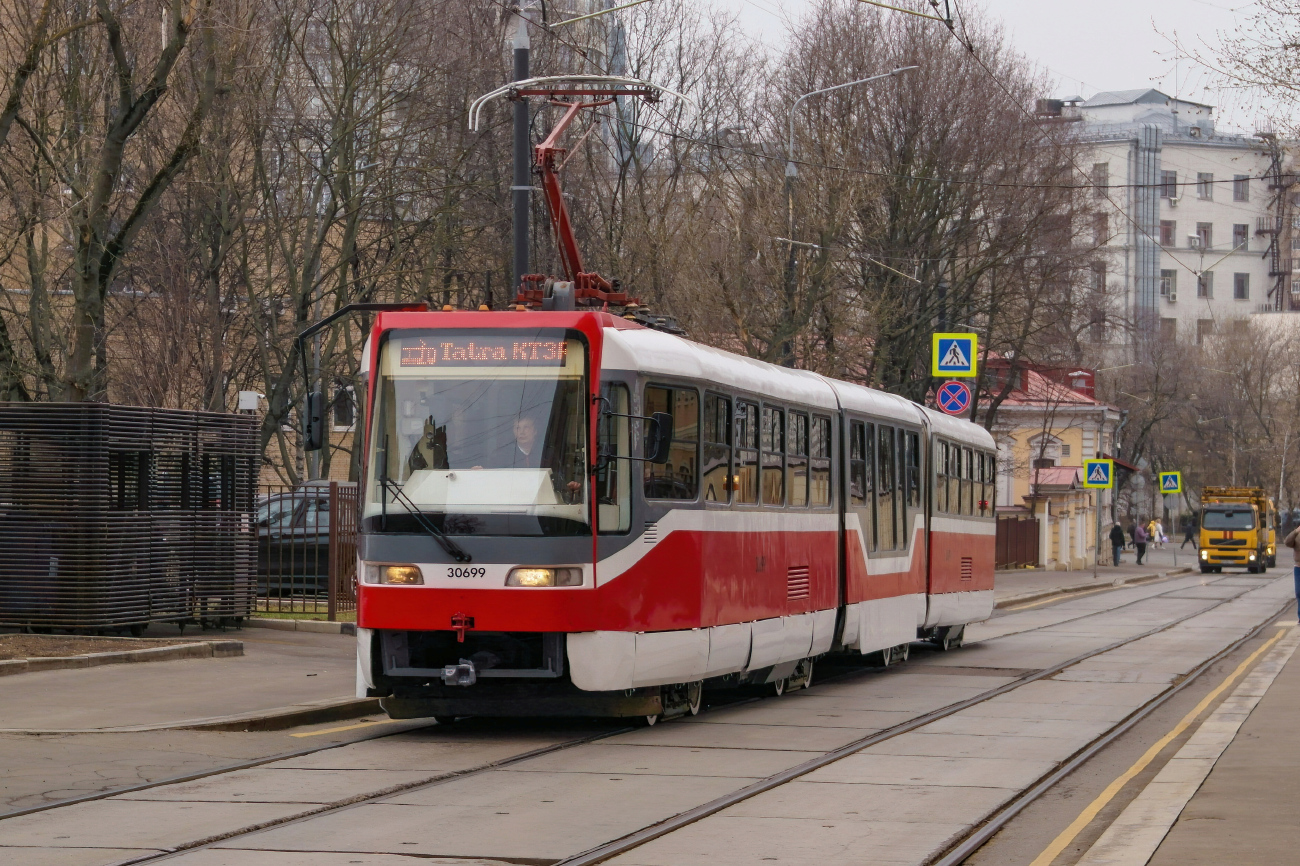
(526, 452)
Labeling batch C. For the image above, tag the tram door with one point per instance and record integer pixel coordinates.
(861, 500)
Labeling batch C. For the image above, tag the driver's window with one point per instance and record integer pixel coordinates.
(614, 480)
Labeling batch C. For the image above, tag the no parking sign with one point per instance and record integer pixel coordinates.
(953, 397)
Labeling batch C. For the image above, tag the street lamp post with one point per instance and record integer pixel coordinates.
(792, 172)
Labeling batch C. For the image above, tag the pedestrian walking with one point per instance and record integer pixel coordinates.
(1153, 533)
(1161, 538)
(1117, 541)
(1292, 541)
(1189, 534)
(1140, 540)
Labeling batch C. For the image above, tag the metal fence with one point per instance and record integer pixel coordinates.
(307, 549)
(1017, 542)
(114, 517)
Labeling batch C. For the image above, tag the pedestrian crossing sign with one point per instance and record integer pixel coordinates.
(1099, 473)
(1171, 482)
(953, 355)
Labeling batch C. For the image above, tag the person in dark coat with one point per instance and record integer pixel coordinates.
(1140, 540)
(1116, 541)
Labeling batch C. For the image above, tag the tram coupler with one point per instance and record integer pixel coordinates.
(462, 674)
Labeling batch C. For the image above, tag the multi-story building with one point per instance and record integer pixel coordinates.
(1193, 224)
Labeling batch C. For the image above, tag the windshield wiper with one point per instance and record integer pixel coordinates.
(452, 549)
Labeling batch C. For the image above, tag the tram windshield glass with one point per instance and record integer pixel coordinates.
(483, 431)
(1228, 518)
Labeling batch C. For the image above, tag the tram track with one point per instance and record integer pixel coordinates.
(638, 838)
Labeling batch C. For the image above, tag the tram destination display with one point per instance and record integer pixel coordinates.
(486, 350)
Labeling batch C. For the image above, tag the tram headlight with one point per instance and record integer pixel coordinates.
(394, 575)
(544, 577)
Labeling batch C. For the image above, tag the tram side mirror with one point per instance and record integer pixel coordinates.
(313, 422)
(658, 438)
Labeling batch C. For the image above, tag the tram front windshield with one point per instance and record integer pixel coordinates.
(485, 432)
(1228, 518)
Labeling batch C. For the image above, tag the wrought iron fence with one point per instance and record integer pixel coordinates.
(114, 517)
(307, 549)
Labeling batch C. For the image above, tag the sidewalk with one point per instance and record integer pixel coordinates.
(279, 669)
(1022, 585)
(1245, 810)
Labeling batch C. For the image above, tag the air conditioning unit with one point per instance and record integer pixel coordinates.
(1193, 242)
(1173, 201)
(1173, 296)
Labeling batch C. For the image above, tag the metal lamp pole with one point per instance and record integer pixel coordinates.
(791, 173)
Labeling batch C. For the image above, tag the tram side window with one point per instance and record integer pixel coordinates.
(940, 469)
(614, 480)
(983, 506)
(860, 497)
(913, 463)
(679, 477)
(746, 479)
(885, 478)
(967, 482)
(717, 448)
(819, 492)
(796, 464)
(773, 445)
(954, 479)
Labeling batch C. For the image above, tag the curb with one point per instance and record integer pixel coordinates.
(275, 719)
(313, 625)
(1084, 587)
(193, 650)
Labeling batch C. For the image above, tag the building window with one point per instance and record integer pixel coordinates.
(1169, 330)
(1205, 285)
(1065, 450)
(1099, 277)
(1100, 179)
(1168, 231)
(1204, 185)
(1169, 284)
(345, 409)
(1100, 229)
(1240, 236)
(1097, 326)
(1204, 329)
(1204, 235)
(1241, 327)
(1241, 287)
(1169, 184)
(1241, 187)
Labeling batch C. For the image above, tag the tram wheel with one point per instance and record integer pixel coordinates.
(886, 657)
(651, 721)
(778, 686)
(952, 637)
(902, 651)
(694, 697)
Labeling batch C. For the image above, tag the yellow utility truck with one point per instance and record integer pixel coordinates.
(1238, 529)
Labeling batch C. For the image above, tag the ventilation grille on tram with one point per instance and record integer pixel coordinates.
(651, 534)
(796, 582)
(967, 568)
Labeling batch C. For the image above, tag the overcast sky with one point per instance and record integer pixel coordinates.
(1089, 46)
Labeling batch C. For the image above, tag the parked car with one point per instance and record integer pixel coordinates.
(293, 541)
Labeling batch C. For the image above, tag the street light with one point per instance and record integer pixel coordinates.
(791, 172)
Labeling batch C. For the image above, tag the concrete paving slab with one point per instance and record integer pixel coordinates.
(418, 752)
(793, 842)
(253, 857)
(870, 803)
(1016, 726)
(271, 785)
(999, 708)
(1053, 691)
(70, 856)
(788, 714)
(501, 814)
(875, 768)
(664, 761)
(136, 823)
(1132, 676)
(974, 746)
(716, 735)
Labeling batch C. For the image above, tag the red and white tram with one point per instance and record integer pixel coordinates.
(533, 543)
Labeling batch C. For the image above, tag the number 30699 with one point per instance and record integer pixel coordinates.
(455, 571)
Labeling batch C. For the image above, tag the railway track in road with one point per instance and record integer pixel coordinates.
(663, 828)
